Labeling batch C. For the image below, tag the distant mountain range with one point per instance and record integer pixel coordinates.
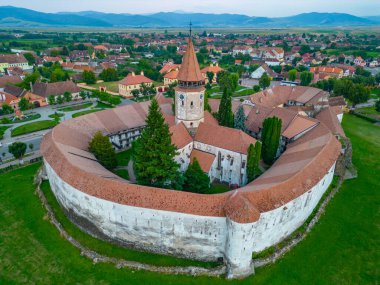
(20, 17)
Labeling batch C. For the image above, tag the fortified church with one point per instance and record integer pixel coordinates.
(221, 151)
(230, 226)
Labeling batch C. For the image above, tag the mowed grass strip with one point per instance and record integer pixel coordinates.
(2, 131)
(32, 127)
(343, 248)
(75, 107)
(76, 115)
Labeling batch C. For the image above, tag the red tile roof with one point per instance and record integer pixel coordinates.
(190, 71)
(223, 137)
(180, 136)
(132, 79)
(205, 159)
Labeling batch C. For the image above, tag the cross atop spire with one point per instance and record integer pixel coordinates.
(190, 28)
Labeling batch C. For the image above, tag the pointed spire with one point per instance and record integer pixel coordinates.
(190, 71)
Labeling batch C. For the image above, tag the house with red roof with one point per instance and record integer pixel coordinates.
(214, 68)
(133, 82)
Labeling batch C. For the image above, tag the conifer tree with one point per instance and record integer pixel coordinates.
(270, 137)
(101, 147)
(195, 179)
(225, 115)
(154, 163)
(253, 160)
(240, 118)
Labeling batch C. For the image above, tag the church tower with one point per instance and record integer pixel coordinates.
(189, 94)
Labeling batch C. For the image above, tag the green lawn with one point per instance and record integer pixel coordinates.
(32, 127)
(101, 105)
(76, 107)
(2, 131)
(123, 173)
(26, 118)
(218, 188)
(369, 112)
(343, 248)
(75, 115)
(111, 86)
(123, 157)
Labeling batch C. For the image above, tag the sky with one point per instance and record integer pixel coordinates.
(268, 8)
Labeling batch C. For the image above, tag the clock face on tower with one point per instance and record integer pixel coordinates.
(181, 97)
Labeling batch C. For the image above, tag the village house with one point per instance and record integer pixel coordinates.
(359, 61)
(241, 50)
(18, 92)
(133, 82)
(13, 60)
(214, 68)
(9, 80)
(264, 68)
(9, 99)
(170, 77)
(56, 89)
(326, 72)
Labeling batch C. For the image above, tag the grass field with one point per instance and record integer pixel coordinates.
(32, 127)
(75, 115)
(111, 86)
(123, 173)
(2, 131)
(123, 157)
(218, 188)
(343, 248)
(75, 107)
(369, 112)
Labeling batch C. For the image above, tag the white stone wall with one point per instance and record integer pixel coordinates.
(189, 108)
(191, 236)
(340, 117)
(183, 157)
(234, 173)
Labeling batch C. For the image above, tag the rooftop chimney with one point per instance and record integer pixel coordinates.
(133, 73)
(142, 73)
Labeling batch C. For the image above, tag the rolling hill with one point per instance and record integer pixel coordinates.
(16, 17)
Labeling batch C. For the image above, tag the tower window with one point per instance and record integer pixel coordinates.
(191, 104)
(182, 103)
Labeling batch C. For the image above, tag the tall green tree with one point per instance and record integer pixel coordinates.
(306, 77)
(51, 100)
(264, 81)
(253, 160)
(210, 76)
(23, 104)
(7, 109)
(270, 136)
(109, 74)
(101, 147)
(195, 180)
(89, 77)
(67, 96)
(17, 149)
(225, 115)
(154, 163)
(360, 94)
(292, 75)
(228, 81)
(239, 119)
